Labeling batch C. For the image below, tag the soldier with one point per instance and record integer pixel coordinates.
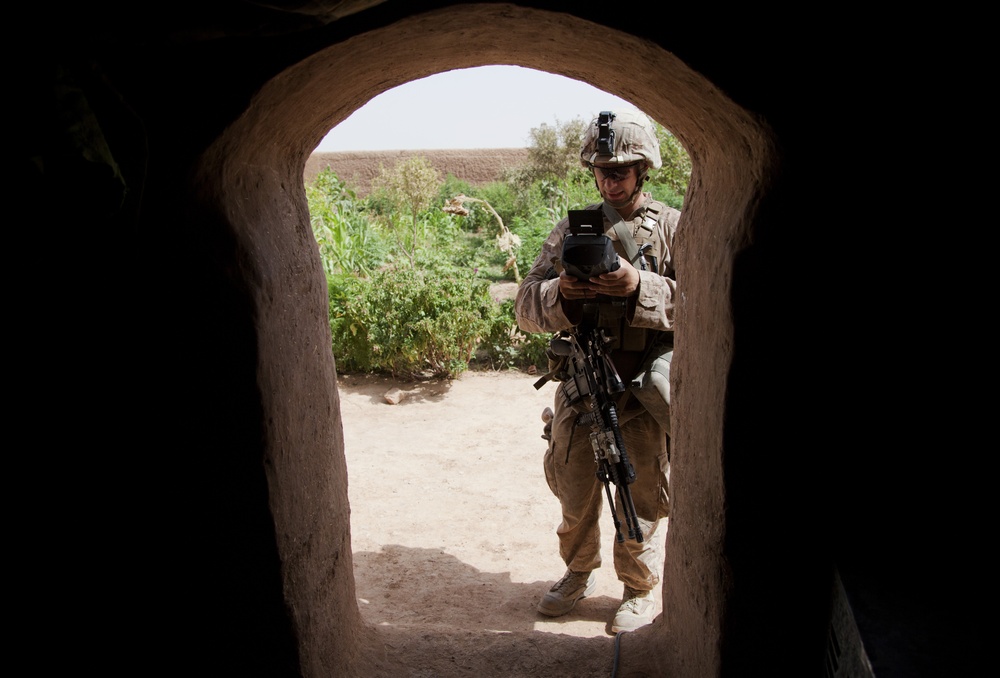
(635, 305)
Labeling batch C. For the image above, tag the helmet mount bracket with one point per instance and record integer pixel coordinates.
(605, 133)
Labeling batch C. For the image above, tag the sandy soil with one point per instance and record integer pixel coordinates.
(453, 531)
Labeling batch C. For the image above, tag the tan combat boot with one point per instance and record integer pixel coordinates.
(563, 595)
(637, 610)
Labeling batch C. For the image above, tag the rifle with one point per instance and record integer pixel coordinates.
(588, 376)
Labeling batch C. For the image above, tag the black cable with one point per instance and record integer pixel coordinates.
(614, 663)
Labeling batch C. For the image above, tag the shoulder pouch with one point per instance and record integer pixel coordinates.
(651, 387)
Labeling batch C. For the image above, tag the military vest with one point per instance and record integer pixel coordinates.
(637, 240)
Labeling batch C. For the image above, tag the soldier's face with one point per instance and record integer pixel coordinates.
(616, 183)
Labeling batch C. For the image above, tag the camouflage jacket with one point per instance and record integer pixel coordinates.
(636, 322)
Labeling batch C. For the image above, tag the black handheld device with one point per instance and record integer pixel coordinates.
(587, 252)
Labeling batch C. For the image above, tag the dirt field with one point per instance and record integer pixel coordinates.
(453, 530)
(358, 168)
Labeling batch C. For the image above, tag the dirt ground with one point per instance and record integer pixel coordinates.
(453, 531)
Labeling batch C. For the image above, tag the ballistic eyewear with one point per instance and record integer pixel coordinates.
(617, 173)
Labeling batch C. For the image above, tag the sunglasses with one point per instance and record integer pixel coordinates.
(619, 173)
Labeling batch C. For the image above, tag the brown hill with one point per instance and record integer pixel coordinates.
(476, 166)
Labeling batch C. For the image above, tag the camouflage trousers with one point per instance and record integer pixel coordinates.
(571, 473)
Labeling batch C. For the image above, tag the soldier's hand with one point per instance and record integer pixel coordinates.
(573, 289)
(622, 282)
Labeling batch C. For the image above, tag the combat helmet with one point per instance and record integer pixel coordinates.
(621, 138)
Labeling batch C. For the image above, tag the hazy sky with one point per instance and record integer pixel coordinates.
(487, 107)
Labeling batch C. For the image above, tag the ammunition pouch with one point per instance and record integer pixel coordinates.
(651, 387)
(574, 388)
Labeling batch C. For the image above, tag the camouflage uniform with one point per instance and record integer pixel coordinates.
(570, 469)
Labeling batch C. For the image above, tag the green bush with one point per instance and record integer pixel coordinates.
(505, 346)
(410, 322)
(676, 171)
(443, 240)
(348, 241)
(532, 234)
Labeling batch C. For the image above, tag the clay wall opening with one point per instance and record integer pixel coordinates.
(730, 154)
(417, 564)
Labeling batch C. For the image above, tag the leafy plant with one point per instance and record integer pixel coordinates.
(505, 346)
(507, 242)
(554, 150)
(676, 171)
(343, 233)
(410, 184)
(410, 322)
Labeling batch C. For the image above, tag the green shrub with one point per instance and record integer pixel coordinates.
(676, 171)
(532, 233)
(505, 346)
(666, 195)
(443, 240)
(452, 187)
(410, 322)
(348, 242)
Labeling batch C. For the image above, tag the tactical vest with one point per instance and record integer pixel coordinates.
(631, 238)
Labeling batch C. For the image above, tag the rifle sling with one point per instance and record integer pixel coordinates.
(624, 235)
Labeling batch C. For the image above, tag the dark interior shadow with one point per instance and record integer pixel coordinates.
(417, 653)
(425, 604)
(401, 586)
